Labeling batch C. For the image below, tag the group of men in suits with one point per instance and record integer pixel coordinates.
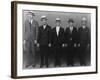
(57, 39)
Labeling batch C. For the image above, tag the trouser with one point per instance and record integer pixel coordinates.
(64, 54)
(70, 55)
(44, 55)
(57, 56)
(30, 53)
(82, 55)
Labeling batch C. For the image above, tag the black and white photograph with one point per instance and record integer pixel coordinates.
(54, 39)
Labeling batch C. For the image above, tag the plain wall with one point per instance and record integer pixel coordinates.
(5, 40)
(64, 16)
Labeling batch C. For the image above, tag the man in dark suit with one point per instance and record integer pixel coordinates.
(30, 38)
(44, 41)
(57, 41)
(83, 41)
(70, 42)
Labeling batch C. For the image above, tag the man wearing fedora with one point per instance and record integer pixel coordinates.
(70, 42)
(83, 41)
(44, 41)
(57, 42)
(30, 38)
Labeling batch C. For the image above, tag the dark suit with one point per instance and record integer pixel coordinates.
(70, 40)
(83, 40)
(57, 41)
(44, 38)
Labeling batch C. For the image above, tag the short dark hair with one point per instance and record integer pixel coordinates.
(70, 20)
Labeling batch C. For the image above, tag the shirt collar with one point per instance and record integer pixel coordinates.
(58, 26)
(83, 27)
(44, 26)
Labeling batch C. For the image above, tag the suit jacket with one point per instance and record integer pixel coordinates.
(57, 41)
(44, 35)
(71, 37)
(31, 30)
(83, 36)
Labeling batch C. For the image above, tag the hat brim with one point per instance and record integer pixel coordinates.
(44, 18)
(71, 21)
(58, 20)
(31, 13)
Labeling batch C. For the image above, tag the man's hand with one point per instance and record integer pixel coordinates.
(63, 45)
(88, 45)
(49, 44)
(35, 42)
(75, 45)
(38, 44)
(79, 45)
(66, 45)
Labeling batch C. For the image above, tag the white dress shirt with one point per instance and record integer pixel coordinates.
(71, 28)
(57, 30)
(83, 27)
(31, 20)
(44, 26)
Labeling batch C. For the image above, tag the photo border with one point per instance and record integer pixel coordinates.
(14, 37)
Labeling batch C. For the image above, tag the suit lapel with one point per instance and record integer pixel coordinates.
(43, 28)
(55, 31)
(59, 31)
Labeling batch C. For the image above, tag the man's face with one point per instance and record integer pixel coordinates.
(83, 23)
(70, 23)
(57, 23)
(30, 16)
(44, 21)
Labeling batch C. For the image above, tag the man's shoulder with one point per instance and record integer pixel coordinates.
(80, 28)
(87, 28)
(53, 28)
(62, 28)
(67, 28)
(74, 28)
(49, 26)
(40, 26)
